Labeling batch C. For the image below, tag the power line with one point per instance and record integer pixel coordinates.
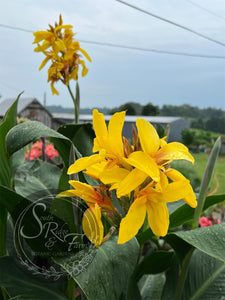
(171, 22)
(152, 50)
(15, 28)
(205, 9)
(129, 47)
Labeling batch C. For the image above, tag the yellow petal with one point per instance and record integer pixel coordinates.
(99, 125)
(115, 132)
(130, 182)
(158, 217)
(60, 44)
(74, 74)
(85, 54)
(92, 225)
(145, 163)
(95, 170)
(62, 27)
(54, 90)
(175, 175)
(44, 62)
(69, 193)
(190, 198)
(41, 35)
(84, 71)
(113, 175)
(85, 191)
(180, 190)
(173, 151)
(133, 221)
(148, 136)
(83, 163)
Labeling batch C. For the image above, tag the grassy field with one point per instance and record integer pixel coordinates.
(218, 182)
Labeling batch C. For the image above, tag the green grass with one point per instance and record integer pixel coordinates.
(217, 185)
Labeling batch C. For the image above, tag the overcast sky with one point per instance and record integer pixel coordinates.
(119, 75)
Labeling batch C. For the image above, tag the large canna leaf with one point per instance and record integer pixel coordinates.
(151, 286)
(26, 132)
(205, 279)
(22, 286)
(7, 123)
(210, 240)
(107, 275)
(36, 175)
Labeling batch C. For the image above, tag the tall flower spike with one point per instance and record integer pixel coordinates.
(63, 51)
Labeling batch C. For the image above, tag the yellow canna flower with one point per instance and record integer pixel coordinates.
(108, 143)
(64, 52)
(154, 158)
(152, 200)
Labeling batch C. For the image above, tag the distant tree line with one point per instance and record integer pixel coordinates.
(133, 108)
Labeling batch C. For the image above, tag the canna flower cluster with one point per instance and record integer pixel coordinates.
(63, 51)
(138, 173)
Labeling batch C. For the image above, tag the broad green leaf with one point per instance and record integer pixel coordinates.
(185, 213)
(144, 236)
(207, 177)
(81, 135)
(155, 262)
(107, 275)
(18, 159)
(23, 286)
(26, 132)
(210, 240)
(205, 279)
(42, 225)
(34, 176)
(10, 199)
(180, 246)
(7, 123)
(170, 285)
(151, 286)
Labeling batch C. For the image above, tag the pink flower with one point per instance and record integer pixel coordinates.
(50, 151)
(36, 151)
(204, 222)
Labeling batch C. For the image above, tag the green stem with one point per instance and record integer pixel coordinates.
(76, 110)
(183, 275)
(70, 291)
(4, 294)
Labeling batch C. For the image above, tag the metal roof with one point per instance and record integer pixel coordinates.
(131, 119)
(22, 104)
